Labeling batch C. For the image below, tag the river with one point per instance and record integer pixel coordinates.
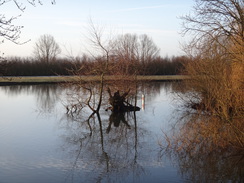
(41, 142)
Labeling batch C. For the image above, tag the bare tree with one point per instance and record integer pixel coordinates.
(215, 22)
(99, 63)
(110, 58)
(103, 46)
(8, 30)
(46, 48)
(217, 70)
(126, 54)
(216, 85)
(130, 49)
(147, 49)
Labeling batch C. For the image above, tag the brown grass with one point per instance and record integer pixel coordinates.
(55, 79)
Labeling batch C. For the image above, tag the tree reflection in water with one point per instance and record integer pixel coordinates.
(46, 95)
(116, 118)
(199, 157)
(105, 150)
(106, 147)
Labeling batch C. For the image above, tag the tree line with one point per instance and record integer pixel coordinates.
(126, 54)
(85, 65)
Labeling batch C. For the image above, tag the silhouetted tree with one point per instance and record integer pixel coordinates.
(215, 23)
(8, 30)
(46, 48)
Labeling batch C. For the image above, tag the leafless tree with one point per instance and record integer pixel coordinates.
(215, 22)
(46, 48)
(217, 70)
(104, 47)
(126, 53)
(8, 30)
(130, 49)
(100, 63)
(147, 49)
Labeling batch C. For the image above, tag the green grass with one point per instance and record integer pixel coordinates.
(59, 79)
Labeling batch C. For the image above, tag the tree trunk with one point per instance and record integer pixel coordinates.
(119, 104)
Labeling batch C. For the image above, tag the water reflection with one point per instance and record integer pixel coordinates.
(85, 147)
(110, 146)
(108, 153)
(116, 118)
(200, 146)
(217, 166)
(46, 95)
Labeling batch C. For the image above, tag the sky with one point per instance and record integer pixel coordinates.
(68, 22)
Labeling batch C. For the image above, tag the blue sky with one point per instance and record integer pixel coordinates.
(67, 22)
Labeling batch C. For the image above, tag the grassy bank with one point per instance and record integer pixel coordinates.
(60, 79)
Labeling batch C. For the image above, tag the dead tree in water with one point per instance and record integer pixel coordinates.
(119, 104)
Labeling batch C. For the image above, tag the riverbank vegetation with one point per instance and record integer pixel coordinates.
(214, 94)
(209, 133)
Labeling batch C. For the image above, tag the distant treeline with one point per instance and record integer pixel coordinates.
(16, 66)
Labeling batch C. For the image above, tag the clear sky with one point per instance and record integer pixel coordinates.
(67, 22)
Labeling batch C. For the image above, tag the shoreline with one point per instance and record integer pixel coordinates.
(5, 80)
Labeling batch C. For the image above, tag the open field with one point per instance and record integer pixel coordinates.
(60, 79)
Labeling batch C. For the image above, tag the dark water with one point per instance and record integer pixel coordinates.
(39, 142)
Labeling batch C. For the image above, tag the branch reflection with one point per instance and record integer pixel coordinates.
(200, 146)
(105, 149)
(116, 118)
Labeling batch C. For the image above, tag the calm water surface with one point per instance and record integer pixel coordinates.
(40, 143)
